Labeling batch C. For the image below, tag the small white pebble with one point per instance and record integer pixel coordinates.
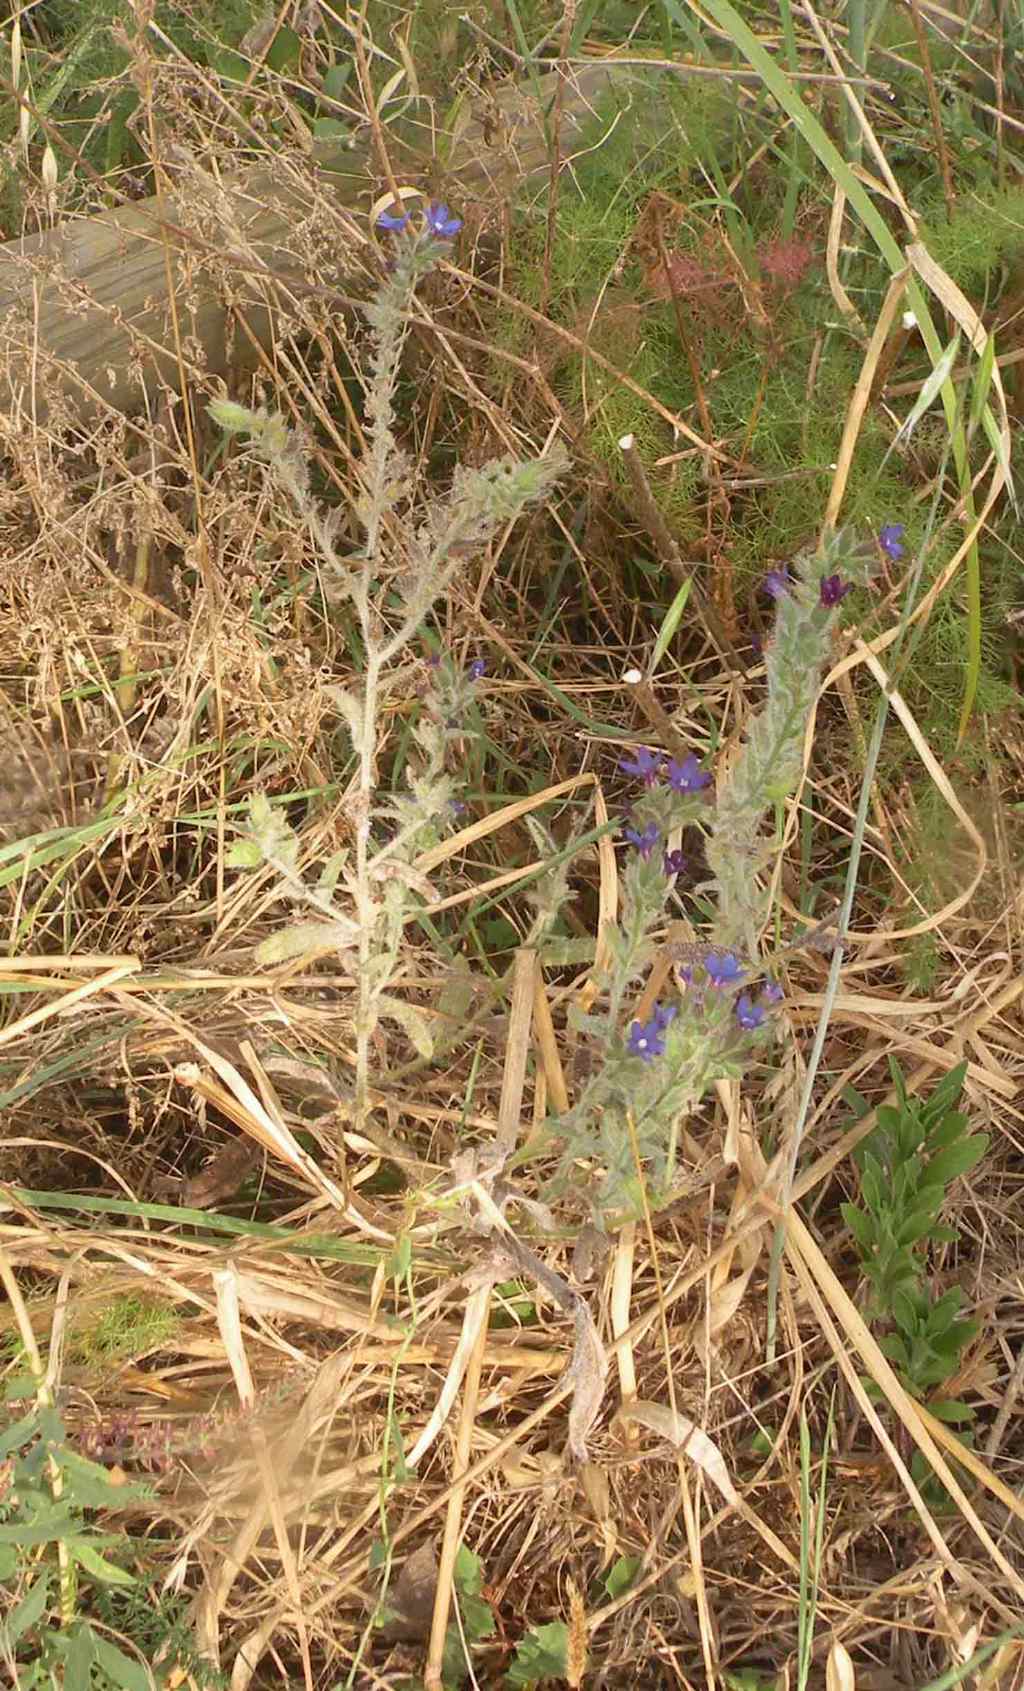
(909, 320)
(632, 677)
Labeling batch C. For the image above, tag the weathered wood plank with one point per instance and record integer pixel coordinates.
(92, 296)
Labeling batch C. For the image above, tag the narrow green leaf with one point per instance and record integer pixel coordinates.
(670, 622)
(982, 381)
(937, 379)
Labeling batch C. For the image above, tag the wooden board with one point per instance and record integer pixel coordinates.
(89, 302)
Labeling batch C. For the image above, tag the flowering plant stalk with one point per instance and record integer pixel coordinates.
(414, 543)
(646, 1077)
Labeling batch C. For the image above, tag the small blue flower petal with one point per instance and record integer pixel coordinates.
(833, 590)
(748, 1014)
(723, 969)
(644, 763)
(777, 583)
(676, 863)
(441, 225)
(687, 776)
(644, 841)
(647, 1039)
(890, 539)
(477, 669)
(391, 220)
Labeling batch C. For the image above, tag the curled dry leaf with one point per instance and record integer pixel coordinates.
(839, 1675)
(683, 1435)
(588, 1372)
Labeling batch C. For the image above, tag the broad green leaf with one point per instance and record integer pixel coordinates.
(121, 1668)
(229, 64)
(468, 1571)
(336, 79)
(957, 1159)
(78, 1659)
(8, 1562)
(477, 1618)
(540, 1655)
(860, 1226)
(244, 854)
(951, 1409)
(98, 1566)
(57, 1524)
(951, 1128)
(18, 1433)
(27, 1613)
(283, 52)
(330, 129)
(622, 1573)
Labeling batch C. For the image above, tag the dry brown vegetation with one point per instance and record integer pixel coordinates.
(165, 653)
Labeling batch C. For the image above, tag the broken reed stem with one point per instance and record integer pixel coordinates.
(649, 510)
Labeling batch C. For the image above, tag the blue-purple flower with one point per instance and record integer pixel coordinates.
(441, 225)
(723, 968)
(833, 590)
(647, 1039)
(890, 539)
(477, 669)
(392, 220)
(676, 863)
(645, 840)
(748, 1014)
(687, 776)
(777, 583)
(644, 763)
(772, 993)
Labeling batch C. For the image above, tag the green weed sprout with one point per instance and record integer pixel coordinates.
(906, 1167)
(56, 1563)
(414, 544)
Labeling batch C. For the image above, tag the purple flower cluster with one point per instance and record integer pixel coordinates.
(437, 220)
(152, 1445)
(684, 775)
